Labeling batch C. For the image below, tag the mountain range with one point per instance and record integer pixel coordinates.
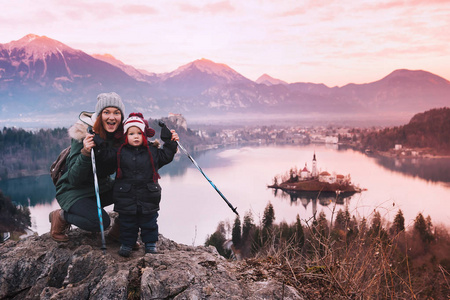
(45, 81)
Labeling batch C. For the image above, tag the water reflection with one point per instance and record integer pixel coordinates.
(35, 190)
(305, 198)
(29, 190)
(432, 169)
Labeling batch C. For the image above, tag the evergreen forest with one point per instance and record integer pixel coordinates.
(25, 153)
(13, 218)
(342, 258)
(429, 130)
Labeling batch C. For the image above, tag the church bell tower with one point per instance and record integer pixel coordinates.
(314, 166)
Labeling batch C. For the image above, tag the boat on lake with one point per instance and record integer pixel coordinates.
(313, 181)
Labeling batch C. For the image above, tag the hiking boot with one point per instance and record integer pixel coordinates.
(114, 234)
(58, 226)
(125, 250)
(136, 246)
(151, 248)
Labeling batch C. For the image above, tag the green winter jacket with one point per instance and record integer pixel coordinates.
(78, 181)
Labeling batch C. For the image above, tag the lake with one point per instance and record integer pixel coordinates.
(191, 209)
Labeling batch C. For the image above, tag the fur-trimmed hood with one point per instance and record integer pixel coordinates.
(78, 131)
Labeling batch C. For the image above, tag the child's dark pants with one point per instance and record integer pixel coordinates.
(130, 224)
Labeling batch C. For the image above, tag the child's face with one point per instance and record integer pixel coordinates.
(134, 135)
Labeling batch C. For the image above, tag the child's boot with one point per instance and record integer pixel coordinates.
(151, 248)
(125, 250)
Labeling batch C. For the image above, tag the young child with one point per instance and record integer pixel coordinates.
(136, 190)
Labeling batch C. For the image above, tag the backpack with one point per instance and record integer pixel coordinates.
(58, 167)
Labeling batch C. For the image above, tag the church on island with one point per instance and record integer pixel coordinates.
(324, 176)
(305, 180)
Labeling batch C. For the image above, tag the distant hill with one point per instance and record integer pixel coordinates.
(430, 129)
(268, 80)
(139, 75)
(43, 81)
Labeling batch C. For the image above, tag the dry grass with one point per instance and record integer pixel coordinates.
(370, 264)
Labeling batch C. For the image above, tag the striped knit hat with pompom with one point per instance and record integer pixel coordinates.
(137, 119)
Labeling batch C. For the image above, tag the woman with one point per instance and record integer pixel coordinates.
(75, 191)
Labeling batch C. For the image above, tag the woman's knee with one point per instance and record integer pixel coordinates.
(84, 214)
(106, 220)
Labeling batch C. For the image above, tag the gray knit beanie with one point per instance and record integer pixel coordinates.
(107, 100)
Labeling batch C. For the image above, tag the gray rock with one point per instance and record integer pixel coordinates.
(40, 268)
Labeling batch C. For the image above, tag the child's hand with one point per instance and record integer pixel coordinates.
(174, 136)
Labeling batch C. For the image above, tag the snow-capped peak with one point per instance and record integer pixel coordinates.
(30, 37)
(209, 67)
(108, 58)
(38, 46)
(268, 80)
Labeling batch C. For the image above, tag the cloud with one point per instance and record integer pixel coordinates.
(211, 8)
(139, 9)
(311, 7)
(300, 10)
(219, 7)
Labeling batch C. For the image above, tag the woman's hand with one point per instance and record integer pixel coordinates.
(174, 136)
(88, 144)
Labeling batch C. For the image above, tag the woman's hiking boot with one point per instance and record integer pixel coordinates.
(58, 226)
(114, 232)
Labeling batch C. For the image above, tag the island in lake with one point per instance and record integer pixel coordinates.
(313, 181)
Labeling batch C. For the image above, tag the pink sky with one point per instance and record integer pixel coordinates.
(331, 42)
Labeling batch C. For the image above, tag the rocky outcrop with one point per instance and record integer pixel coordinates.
(40, 268)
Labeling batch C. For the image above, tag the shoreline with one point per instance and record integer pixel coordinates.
(419, 156)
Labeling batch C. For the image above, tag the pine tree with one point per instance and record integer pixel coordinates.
(399, 223)
(218, 239)
(286, 231)
(322, 225)
(299, 234)
(268, 217)
(340, 222)
(376, 222)
(423, 228)
(236, 236)
(247, 226)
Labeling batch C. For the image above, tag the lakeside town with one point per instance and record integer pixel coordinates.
(423, 137)
(334, 137)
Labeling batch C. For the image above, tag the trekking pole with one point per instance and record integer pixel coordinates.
(97, 194)
(203, 173)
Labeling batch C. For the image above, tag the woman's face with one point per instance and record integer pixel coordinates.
(111, 118)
